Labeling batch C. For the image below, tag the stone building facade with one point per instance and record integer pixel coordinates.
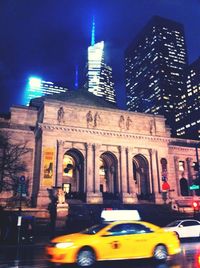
(97, 153)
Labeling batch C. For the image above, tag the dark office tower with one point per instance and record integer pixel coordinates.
(154, 69)
(188, 119)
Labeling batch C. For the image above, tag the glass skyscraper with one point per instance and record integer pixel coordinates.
(154, 69)
(36, 87)
(95, 62)
(99, 75)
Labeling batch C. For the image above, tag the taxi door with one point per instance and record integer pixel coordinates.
(114, 243)
(140, 241)
(140, 245)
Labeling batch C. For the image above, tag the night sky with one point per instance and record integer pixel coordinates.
(48, 38)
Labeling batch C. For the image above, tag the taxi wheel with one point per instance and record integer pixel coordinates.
(86, 257)
(160, 253)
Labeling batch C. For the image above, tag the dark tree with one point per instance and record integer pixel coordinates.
(12, 164)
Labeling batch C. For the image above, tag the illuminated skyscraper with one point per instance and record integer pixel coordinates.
(188, 117)
(107, 84)
(154, 69)
(37, 88)
(95, 62)
(99, 75)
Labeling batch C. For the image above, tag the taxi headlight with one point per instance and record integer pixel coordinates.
(64, 245)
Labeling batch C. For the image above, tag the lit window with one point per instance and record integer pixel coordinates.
(181, 166)
(68, 165)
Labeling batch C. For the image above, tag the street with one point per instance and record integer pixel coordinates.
(34, 256)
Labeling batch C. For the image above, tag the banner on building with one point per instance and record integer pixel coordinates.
(48, 167)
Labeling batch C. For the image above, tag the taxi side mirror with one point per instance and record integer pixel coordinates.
(180, 226)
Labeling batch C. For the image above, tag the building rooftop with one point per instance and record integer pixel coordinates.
(79, 97)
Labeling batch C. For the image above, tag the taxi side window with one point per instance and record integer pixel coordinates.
(142, 229)
(189, 223)
(127, 229)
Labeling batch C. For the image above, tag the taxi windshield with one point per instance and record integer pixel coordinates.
(94, 229)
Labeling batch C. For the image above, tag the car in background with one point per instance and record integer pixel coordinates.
(185, 228)
(115, 240)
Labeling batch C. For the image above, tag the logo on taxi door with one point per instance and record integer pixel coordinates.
(115, 244)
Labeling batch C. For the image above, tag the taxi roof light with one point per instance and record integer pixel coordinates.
(120, 215)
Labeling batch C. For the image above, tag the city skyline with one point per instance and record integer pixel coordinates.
(54, 44)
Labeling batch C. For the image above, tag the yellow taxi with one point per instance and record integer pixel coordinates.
(114, 241)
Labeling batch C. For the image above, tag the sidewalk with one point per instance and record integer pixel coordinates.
(42, 237)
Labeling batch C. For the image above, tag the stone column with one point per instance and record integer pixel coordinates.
(91, 171)
(90, 168)
(176, 168)
(131, 181)
(190, 174)
(123, 167)
(96, 168)
(43, 195)
(59, 163)
(97, 196)
(155, 175)
(126, 197)
(151, 178)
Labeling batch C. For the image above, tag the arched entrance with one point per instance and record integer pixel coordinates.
(108, 176)
(73, 174)
(141, 177)
(184, 187)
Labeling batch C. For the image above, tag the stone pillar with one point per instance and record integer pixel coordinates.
(176, 168)
(97, 193)
(62, 212)
(190, 174)
(62, 208)
(43, 197)
(90, 168)
(59, 163)
(155, 176)
(91, 196)
(96, 168)
(131, 181)
(123, 165)
(126, 197)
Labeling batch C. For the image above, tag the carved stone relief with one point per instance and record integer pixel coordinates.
(97, 119)
(60, 115)
(128, 123)
(92, 121)
(152, 127)
(124, 124)
(121, 122)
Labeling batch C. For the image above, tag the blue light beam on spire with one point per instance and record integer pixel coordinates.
(93, 32)
(76, 77)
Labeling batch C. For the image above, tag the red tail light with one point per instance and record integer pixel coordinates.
(195, 205)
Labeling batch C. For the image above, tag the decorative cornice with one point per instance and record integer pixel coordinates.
(126, 135)
(26, 131)
(181, 148)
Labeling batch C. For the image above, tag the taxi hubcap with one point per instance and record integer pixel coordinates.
(85, 258)
(160, 253)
